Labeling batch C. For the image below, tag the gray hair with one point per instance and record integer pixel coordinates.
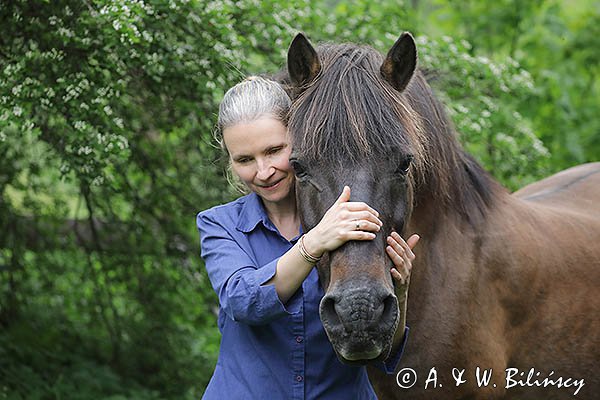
(249, 100)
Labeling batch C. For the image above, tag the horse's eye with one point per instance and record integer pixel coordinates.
(299, 169)
(405, 164)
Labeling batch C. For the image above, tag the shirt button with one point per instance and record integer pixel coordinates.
(299, 378)
(299, 339)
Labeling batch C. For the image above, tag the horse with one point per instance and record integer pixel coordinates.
(503, 293)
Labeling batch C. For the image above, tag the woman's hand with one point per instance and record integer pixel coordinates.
(344, 221)
(402, 255)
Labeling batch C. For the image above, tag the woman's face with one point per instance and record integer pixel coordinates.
(259, 152)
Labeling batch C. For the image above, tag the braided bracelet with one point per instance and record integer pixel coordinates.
(305, 254)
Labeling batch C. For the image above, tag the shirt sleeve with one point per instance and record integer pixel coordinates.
(389, 366)
(238, 282)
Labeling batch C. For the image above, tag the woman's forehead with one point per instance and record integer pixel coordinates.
(255, 135)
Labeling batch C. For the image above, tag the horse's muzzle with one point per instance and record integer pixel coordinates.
(360, 321)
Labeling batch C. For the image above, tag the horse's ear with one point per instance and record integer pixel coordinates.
(302, 61)
(400, 62)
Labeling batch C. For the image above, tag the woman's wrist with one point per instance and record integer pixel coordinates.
(312, 246)
(309, 258)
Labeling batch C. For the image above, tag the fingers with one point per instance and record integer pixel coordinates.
(363, 216)
(401, 277)
(364, 225)
(400, 252)
(344, 197)
(355, 205)
(413, 240)
(397, 276)
(405, 247)
(360, 206)
(355, 215)
(358, 235)
(395, 253)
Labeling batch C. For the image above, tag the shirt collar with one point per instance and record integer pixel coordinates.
(253, 212)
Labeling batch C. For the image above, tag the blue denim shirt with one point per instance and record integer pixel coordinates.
(269, 350)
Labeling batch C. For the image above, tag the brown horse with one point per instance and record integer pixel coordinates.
(504, 298)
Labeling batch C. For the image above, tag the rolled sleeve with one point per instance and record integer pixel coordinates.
(237, 280)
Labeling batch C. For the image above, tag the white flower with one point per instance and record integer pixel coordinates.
(475, 127)
(79, 125)
(16, 90)
(84, 150)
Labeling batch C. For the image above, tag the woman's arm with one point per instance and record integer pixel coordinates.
(237, 280)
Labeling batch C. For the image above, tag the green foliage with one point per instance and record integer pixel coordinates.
(106, 113)
(483, 98)
(556, 42)
(106, 155)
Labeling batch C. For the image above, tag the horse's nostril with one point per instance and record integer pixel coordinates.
(390, 309)
(329, 315)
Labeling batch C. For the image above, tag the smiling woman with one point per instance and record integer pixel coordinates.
(262, 266)
(259, 152)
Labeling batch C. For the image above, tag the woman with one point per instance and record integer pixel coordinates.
(261, 265)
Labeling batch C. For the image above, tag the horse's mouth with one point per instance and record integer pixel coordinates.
(360, 357)
(362, 348)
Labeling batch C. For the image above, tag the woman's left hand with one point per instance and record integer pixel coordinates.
(401, 255)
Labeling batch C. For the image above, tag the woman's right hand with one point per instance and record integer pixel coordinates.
(344, 221)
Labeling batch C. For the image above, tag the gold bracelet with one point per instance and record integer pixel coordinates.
(305, 254)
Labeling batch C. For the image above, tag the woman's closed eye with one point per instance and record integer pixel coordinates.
(274, 150)
(243, 160)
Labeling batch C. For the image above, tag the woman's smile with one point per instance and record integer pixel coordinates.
(271, 186)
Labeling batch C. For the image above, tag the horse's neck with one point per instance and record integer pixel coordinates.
(446, 257)
(458, 259)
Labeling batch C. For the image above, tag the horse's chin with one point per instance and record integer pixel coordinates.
(362, 357)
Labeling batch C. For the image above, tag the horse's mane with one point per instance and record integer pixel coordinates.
(349, 113)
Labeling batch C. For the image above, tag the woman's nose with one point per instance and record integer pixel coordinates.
(265, 170)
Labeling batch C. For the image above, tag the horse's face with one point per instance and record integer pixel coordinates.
(359, 310)
(340, 132)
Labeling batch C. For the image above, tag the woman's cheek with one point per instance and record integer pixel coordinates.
(244, 173)
(284, 163)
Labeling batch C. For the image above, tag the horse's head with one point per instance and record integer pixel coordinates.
(350, 126)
